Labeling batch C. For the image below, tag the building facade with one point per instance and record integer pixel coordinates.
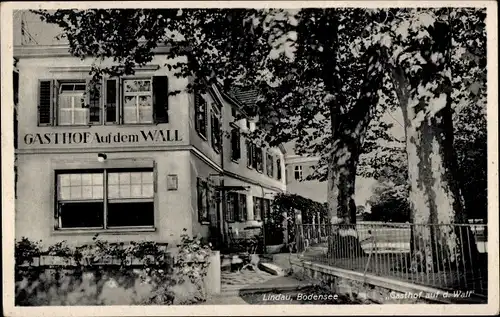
(126, 160)
(297, 169)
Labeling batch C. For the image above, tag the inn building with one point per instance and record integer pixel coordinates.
(298, 168)
(128, 161)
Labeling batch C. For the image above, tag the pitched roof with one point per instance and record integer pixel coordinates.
(247, 97)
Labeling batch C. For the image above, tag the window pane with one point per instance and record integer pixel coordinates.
(67, 87)
(131, 214)
(147, 190)
(113, 191)
(64, 179)
(81, 116)
(80, 87)
(97, 179)
(81, 215)
(76, 192)
(137, 85)
(124, 178)
(113, 178)
(147, 177)
(130, 110)
(76, 179)
(65, 102)
(136, 191)
(86, 179)
(86, 192)
(65, 117)
(65, 193)
(135, 178)
(124, 191)
(97, 192)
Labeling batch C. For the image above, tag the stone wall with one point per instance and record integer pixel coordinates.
(367, 289)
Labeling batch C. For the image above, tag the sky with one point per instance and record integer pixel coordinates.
(38, 32)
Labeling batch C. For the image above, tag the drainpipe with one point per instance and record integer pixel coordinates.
(263, 216)
(223, 192)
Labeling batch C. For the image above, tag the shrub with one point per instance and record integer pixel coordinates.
(103, 273)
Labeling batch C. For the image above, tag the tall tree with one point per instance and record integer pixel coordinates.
(425, 46)
(299, 61)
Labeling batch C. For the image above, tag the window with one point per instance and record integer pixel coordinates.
(278, 169)
(203, 200)
(257, 208)
(269, 165)
(137, 101)
(236, 207)
(105, 199)
(298, 172)
(69, 102)
(250, 160)
(111, 104)
(232, 206)
(242, 208)
(216, 131)
(200, 122)
(235, 144)
(266, 207)
(258, 158)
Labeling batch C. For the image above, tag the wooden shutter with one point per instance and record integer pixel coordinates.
(45, 102)
(235, 144)
(249, 154)
(278, 169)
(160, 99)
(94, 103)
(230, 207)
(111, 101)
(197, 112)
(199, 193)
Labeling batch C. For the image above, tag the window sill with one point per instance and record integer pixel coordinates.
(102, 231)
(235, 161)
(205, 223)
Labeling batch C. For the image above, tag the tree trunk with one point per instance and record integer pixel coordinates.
(341, 181)
(348, 133)
(434, 192)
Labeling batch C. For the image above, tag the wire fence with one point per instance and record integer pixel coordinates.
(446, 256)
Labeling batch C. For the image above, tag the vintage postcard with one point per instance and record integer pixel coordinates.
(191, 158)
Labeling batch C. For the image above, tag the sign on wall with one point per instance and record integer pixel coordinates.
(155, 135)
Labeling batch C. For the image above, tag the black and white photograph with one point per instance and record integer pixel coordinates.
(325, 156)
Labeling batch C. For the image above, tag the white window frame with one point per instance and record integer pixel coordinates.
(74, 93)
(105, 199)
(136, 94)
(297, 169)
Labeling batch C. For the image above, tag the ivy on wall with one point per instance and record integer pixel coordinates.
(289, 204)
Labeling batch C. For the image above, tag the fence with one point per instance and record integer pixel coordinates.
(445, 256)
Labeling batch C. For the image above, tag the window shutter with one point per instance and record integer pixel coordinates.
(238, 144)
(249, 154)
(197, 112)
(199, 192)
(45, 102)
(111, 101)
(160, 99)
(94, 101)
(230, 207)
(212, 127)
